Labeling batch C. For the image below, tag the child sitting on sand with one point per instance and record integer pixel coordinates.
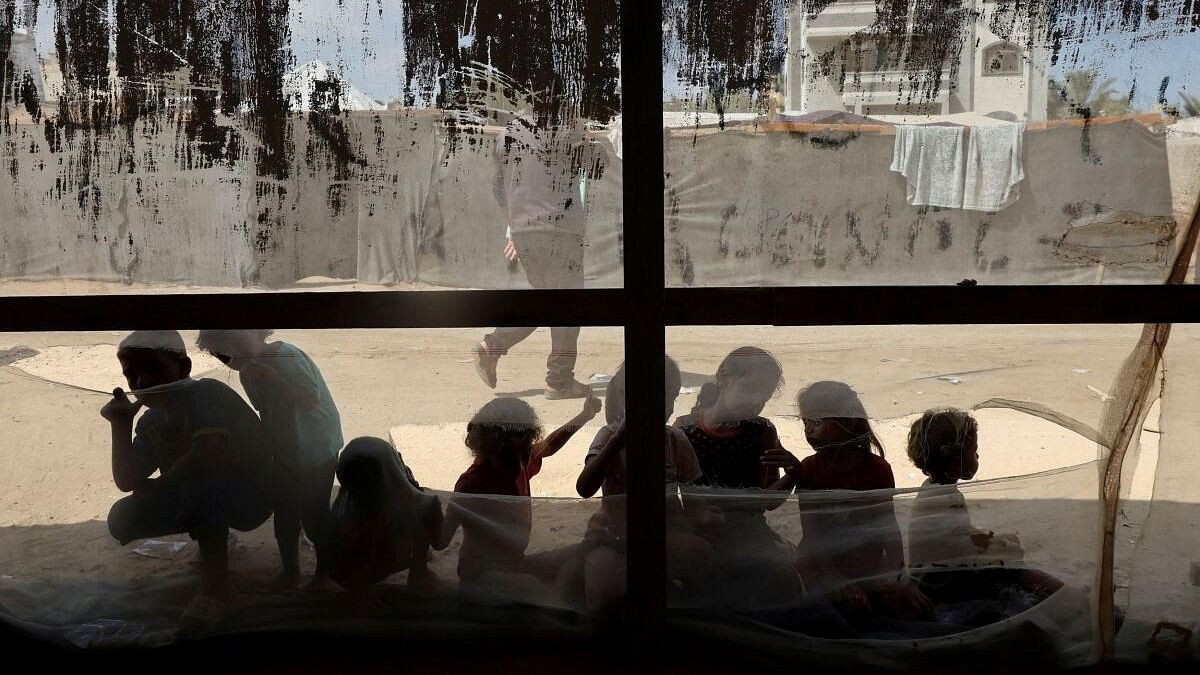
(505, 437)
(305, 431)
(852, 547)
(943, 444)
(382, 521)
(689, 556)
(736, 447)
(209, 450)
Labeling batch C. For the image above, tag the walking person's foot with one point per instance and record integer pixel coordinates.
(485, 364)
(572, 389)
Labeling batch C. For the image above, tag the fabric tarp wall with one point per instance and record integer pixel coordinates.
(412, 203)
(464, 225)
(89, 205)
(87, 210)
(786, 209)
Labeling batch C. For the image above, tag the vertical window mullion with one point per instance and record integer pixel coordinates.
(645, 331)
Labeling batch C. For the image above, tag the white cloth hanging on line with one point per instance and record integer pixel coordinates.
(993, 168)
(983, 174)
(931, 158)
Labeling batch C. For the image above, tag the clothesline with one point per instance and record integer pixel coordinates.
(26, 375)
(1145, 119)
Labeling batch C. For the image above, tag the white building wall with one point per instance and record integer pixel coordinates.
(999, 93)
(822, 91)
(962, 89)
(795, 59)
(1022, 95)
(1039, 83)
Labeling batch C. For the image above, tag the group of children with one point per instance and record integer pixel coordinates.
(223, 466)
(728, 467)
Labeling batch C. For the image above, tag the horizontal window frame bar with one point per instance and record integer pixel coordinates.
(783, 306)
(934, 305)
(316, 310)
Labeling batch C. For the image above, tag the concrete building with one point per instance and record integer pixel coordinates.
(841, 58)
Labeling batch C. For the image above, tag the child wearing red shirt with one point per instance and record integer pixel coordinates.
(852, 548)
(505, 438)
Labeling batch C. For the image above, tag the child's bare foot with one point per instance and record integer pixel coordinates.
(321, 583)
(203, 614)
(982, 540)
(286, 581)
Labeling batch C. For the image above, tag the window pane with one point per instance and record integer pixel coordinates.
(864, 490)
(852, 142)
(152, 146)
(99, 563)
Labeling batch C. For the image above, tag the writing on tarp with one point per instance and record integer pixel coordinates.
(749, 229)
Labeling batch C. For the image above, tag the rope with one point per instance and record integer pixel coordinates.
(159, 389)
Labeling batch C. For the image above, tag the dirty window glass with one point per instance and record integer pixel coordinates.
(871, 490)
(394, 477)
(859, 142)
(300, 144)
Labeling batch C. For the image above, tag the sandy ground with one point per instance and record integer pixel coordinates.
(419, 388)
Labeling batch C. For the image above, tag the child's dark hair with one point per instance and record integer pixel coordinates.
(362, 466)
(504, 428)
(217, 341)
(163, 344)
(860, 427)
(167, 342)
(614, 394)
(939, 434)
(837, 401)
(742, 362)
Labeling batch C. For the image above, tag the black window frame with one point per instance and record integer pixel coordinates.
(644, 306)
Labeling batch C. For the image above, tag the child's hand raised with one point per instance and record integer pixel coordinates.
(120, 408)
(591, 408)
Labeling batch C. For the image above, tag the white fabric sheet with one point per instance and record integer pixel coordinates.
(931, 158)
(994, 169)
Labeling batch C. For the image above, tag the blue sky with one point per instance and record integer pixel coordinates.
(1144, 57)
(364, 39)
